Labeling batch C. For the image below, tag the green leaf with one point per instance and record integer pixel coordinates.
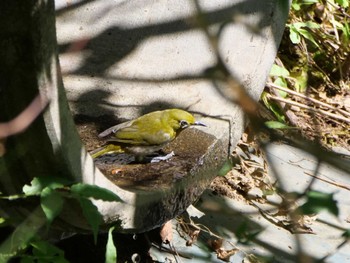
(225, 168)
(111, 250)
(39, 183)
(305, 33)
(343, 3)
(46, 252)
(94, 191)
(92, 215)
(308, 24)
(40, 247)
(346, 34)
(282, 83)
(278, 71)
(51, 203)
(294, 36)
(277, 111)
(295, 6)
(2, 221)
(33, 189)
(308, 36)
(301, 81)
(297, 29)
(277, 125)
(309, 2)
(318, 201)
(273, 107)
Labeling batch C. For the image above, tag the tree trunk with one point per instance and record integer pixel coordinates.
(30, 73)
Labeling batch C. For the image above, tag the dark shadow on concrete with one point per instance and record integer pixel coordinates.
(227, 218)
(112, 45)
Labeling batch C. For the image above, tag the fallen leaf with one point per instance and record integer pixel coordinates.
(221, 253)
(215, 244)
(166, 232)
(194, 236)
(226, 254)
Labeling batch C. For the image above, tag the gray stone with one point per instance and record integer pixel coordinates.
(126, 58)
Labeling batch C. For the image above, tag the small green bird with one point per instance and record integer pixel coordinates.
(146, 134)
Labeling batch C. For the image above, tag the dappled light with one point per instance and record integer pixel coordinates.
(261, 181)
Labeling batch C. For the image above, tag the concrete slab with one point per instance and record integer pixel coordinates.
(292, 166)
(127, 58)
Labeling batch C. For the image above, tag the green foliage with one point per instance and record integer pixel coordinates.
(51, 203)
(92, 215)
(301, 29)
(111, 250)
(39, 183)
(44, 252)
(93, 191)
(83, 192)
(272, 106)
(53, 192)
(297, 4)
(2, 221)
(318, 201)
(300, 76)
(279, 71)
(318, 43)
(343, 3)
(228, 165)
(277, 125)
(345, 28)
(280, 74)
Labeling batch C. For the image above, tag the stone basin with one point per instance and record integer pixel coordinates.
(123, 59)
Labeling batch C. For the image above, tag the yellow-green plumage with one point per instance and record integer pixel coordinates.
(147, 133)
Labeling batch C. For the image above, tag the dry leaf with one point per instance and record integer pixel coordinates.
(226, 254)
(166, 232)
(193, 237)
(307, 219)
(215, 244)
(221, 253)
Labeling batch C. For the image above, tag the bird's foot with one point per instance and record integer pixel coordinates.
(162, 158)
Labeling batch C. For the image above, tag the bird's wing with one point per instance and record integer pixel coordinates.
(130, 132)
(145, 130)
(114, 129)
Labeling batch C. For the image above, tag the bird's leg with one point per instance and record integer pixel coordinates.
(162, 158)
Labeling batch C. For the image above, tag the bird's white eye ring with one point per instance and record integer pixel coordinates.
(183, 124)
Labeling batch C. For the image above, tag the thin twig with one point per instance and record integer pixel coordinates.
(346, 187)
(319, 111)
(308, 98)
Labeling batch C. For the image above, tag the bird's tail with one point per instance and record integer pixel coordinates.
(109, 148)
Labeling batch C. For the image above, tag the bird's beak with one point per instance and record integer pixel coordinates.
(198, 123)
